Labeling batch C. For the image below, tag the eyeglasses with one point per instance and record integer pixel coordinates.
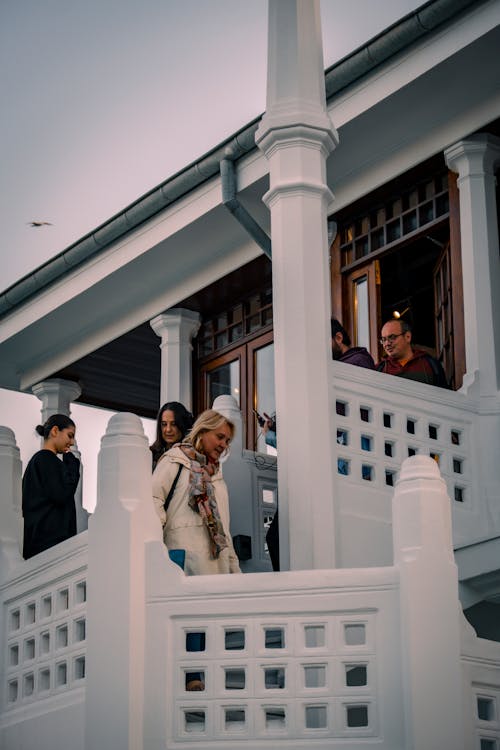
(389, 339)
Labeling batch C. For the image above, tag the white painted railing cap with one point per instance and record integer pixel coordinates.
(124, 423)
(419, 467)
(7, 436)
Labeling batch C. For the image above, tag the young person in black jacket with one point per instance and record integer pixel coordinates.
(49, 486)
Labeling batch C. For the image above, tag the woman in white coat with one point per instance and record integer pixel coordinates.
(197, 519)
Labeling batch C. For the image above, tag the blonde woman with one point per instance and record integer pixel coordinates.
(196, 518)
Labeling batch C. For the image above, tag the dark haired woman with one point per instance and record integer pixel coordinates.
(172, 425)
(49, 486)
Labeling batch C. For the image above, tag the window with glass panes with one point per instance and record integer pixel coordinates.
(235, 356)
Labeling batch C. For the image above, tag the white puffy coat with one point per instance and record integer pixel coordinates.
(183, 528)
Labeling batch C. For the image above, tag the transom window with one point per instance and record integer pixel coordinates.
(396, 218)
(246, 318)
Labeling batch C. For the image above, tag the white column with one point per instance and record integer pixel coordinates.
(123, 522)
(56, 396)
(10, 501)
(176, 328)
(296, 135)
(474, 159)
(430, 611)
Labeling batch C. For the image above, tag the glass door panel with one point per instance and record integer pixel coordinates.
(362, 320)
(224, 381)
(264, 391)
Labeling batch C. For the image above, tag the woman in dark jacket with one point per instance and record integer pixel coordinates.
(49, 486)
(172, 425)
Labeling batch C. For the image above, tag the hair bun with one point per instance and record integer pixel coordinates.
(39, 429)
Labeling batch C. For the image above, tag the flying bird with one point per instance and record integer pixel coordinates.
(39, 223)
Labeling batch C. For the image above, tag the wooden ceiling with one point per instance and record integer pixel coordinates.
(124, 375)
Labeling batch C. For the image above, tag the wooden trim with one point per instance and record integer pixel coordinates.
(245, 354)
(251, 392)
(237, 353)
(336, 280)
(372, 272)
(456, 281)
(393, 247)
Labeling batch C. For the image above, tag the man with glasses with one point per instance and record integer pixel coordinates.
(405, 361)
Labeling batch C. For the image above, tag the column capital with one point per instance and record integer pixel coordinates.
(176, 325)
(64, 389)
(477, 155)
(56, 395)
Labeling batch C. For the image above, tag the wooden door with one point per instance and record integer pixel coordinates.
(443, 314)
(363, 310)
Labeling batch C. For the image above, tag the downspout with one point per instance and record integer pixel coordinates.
(231, 202)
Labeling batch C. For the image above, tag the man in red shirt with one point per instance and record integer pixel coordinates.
(405, 361)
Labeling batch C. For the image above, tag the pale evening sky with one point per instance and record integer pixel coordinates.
(104, 99)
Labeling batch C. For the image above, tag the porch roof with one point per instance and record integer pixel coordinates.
(84, 314)
(339, 76)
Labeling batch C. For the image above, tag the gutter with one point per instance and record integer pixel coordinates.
(339, 76)
(231, 202)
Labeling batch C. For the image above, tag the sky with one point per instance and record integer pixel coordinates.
(104, 99)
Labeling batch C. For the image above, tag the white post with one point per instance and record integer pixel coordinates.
(296, 135)
(430, 609)
(123, 521)
(10, 501)
(56, 396)
(239, 479)
(474, 159)
(176, 328)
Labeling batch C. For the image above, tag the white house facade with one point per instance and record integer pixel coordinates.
(368, 189)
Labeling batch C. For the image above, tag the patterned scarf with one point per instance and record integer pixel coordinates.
(202, 498)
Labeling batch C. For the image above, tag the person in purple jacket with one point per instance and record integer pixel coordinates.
(344, 352)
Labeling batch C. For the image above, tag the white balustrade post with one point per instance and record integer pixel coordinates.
(475, 159)
(430, 609)
(238, 477)
(123, 521)
(56, 396)
(10, 501)
(228, 407)
(176, 328)
(296, 135)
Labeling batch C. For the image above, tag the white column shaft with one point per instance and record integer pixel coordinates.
(176, 329)
(296, 135)
(474, 159)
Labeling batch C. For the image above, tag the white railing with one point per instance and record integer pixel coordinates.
(380, 420)
(43, 641)
(481, 686)
(318, 658)
(304, 656)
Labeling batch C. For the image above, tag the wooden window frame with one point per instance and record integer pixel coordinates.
(244, 353)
